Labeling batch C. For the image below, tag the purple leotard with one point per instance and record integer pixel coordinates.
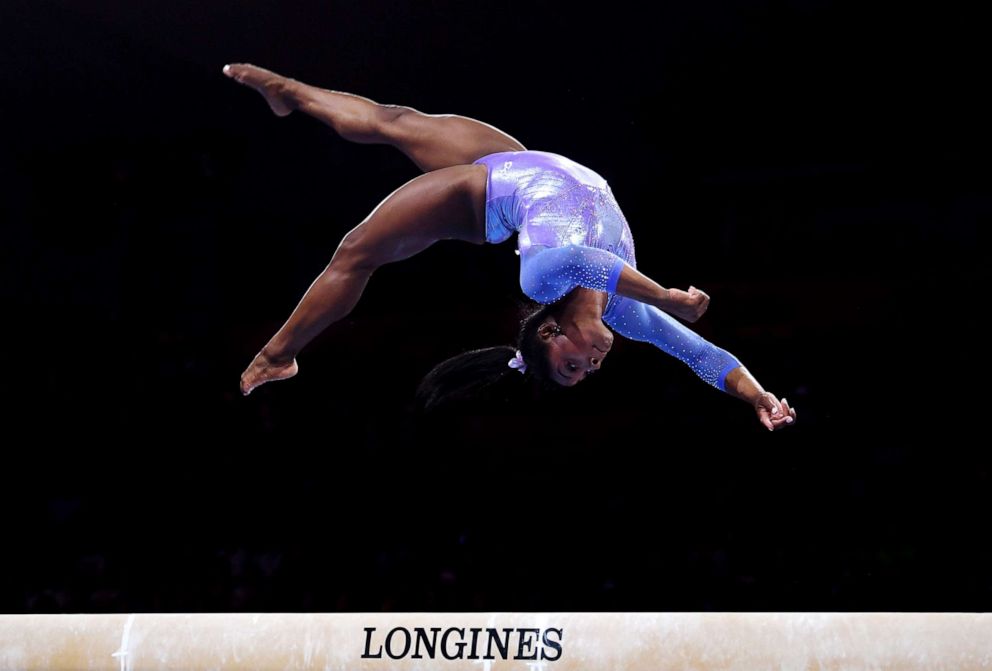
(571, 232)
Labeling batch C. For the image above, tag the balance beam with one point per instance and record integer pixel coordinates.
(484, 641)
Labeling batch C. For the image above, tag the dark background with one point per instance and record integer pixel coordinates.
(814, 166)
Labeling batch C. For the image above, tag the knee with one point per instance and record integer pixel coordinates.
(354, 255)
(393, 112)
(394, 120)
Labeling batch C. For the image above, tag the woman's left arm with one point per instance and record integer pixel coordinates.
(774, 414)
(548, 273)
(688, 305)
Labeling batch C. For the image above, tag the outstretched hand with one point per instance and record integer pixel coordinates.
(688, 305)
(772, 413)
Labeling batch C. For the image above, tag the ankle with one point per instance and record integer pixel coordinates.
(290, 91)
(276, 355)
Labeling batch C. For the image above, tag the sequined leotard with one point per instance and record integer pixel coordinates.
(571, 232)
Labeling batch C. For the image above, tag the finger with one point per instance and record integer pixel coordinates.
(766, 403)
(789, 413)
(775, 406)
(763, 417)
(784, 419)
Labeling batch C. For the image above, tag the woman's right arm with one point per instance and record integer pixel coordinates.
(716, 366)
(771, 412)
(642, 321)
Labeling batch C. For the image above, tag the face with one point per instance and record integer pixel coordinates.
(575, 353)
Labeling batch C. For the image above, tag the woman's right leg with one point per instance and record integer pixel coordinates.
(432, 141)
(445, 204)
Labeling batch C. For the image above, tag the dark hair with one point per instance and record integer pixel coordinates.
(460, 376)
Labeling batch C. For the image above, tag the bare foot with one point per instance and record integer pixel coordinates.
(266, 82)
(264, 369)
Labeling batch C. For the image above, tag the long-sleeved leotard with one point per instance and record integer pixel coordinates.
(571, 232)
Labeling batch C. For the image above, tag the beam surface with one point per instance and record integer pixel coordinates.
(484, 641)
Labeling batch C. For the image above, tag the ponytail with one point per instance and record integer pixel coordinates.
(465, 374)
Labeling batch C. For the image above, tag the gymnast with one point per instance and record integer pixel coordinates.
(480, 186)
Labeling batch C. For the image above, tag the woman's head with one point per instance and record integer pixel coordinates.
(558, 351)
(570, 352)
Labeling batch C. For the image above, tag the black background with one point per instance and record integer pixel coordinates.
(814, 166)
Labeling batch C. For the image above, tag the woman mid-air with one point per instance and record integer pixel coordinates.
(480, 186)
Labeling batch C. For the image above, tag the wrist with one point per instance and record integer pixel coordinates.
(741, 384)
(664, 298)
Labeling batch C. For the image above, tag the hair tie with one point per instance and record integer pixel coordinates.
(518, 362)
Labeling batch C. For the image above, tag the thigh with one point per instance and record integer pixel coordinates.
(434, 141)
(444, 204)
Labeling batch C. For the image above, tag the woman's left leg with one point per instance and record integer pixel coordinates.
(432, 141)
(445, 204)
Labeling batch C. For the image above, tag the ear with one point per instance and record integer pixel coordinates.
(547, 330)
